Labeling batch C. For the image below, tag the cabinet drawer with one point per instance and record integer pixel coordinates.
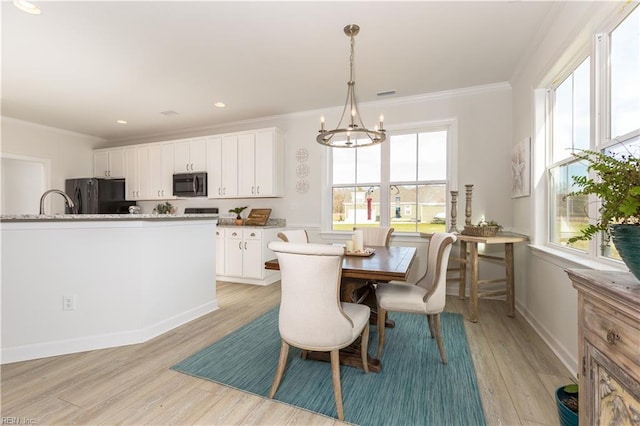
(252, 234)
(609, 329)
(233, 234)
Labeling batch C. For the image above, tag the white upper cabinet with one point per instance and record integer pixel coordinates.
(109, 163)
(190, 156)
(222, 166)
(260, 169)
(161, 171)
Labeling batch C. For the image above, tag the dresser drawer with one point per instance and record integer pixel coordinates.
(612, 331)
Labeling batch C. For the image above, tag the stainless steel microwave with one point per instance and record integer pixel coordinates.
(190, 184)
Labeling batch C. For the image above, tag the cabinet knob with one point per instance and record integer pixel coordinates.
(612, 336)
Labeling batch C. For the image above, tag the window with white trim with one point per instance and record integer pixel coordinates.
(401, 183)
(608, 122)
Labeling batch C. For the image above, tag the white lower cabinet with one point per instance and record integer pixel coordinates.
(245, 252)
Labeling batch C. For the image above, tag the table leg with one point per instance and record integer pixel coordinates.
(473, 281)
(508, 261)
(462, 288)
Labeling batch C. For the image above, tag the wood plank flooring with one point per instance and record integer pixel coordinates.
(133, 385)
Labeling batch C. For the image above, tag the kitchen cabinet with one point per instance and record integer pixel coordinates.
(245, 252)
(222, 162)
(260, 168)
(161, 171)
(190, 156)
(137, 173)
(109, 163)
(608, 341)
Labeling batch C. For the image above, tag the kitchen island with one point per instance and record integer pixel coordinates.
(73, 283)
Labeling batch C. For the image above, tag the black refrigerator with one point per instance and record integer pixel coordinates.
(97, 196)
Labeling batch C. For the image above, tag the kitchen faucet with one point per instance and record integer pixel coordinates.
(67, 199)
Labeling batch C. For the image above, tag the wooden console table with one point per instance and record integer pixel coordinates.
(608, 346)
(470, 257)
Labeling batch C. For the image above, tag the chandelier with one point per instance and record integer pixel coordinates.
(355, 134)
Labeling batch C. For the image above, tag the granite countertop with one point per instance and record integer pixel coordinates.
(271, 223)
(102, 217)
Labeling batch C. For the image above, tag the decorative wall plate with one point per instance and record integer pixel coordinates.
(302, 170)
(302, 155)
(302, 186)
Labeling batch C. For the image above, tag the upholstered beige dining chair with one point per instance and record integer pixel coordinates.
(376, 236)
(294, 236)
(311, 315)
(426, 297)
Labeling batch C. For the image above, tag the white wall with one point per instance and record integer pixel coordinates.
(70, 154)
(543, 291)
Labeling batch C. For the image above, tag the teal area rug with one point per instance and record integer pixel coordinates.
(413, 388)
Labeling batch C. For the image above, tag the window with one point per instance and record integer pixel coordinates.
(572, 124)
(401, 183)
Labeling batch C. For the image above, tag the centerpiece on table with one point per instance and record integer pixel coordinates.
(617, 185)
(482, 229)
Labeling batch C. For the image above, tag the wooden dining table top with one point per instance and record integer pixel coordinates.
(385, 264)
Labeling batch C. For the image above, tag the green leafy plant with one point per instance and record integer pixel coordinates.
(237, 211)
(490, 223)
(166, 208)
(617, 185)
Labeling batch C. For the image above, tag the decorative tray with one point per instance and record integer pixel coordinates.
(366, 253)
(258, 217)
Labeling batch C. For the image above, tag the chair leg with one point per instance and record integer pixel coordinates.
(381, 320)
(443, 356)
(431, 329)
(337, 388)
(364, 346)
(284, 351)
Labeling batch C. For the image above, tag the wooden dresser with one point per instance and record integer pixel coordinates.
(609, 346)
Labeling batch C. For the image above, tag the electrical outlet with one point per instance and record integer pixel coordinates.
(69, 303)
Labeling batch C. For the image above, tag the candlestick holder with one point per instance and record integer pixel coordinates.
(454, 212)
(467, 210)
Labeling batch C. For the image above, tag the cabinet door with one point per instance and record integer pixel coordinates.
(116, 163)
(144, 173)
(181, 157)
(229, 166)
(166, 186)
(246, 165)
(101, 164)
(265, 174)
(252, 265)
(155, 171)
(233, 253)
(198, 155)
(214, 167)
(220, 252)
(132, 186)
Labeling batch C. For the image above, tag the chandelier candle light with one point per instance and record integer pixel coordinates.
(355, 134)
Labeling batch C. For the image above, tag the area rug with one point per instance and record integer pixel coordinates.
(413, 387)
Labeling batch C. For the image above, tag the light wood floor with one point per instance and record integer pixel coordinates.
(517, 374)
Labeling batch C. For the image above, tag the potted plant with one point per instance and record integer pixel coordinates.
(567, 403)
(237, 211)
(617, 185)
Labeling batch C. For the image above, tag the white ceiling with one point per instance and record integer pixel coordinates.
(81, 66)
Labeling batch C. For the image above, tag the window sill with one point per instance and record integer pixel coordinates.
(565, 259)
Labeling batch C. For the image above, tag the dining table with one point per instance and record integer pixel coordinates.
(360, 272)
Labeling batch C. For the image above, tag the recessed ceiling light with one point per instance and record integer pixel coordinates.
(121, 121)
(169, 113)
(219, 105)
(386, 93)
(25, 6)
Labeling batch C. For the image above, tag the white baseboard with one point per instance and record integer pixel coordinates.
(561, 352)
(270, 279)
(103, 341)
